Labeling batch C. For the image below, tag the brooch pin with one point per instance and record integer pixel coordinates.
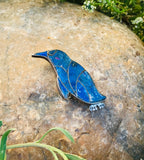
(73, 79)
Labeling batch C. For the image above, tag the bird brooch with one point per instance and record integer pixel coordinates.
(73, 79)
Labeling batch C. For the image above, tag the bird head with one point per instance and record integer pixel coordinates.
(56, 57)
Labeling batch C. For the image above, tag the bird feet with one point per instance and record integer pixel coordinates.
(94, 107)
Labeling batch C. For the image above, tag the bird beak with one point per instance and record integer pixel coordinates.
(40, 55)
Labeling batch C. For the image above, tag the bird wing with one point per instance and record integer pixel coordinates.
(74, 71)
(63, 77)
(86, 80)
(63, 90)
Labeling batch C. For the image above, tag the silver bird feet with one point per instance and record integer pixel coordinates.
(95, 107)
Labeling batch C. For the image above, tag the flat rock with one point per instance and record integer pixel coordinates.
(30, 100)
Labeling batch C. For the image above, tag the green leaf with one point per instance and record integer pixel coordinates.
(48, 147)
(73, 157)
(65, 132)
(5, 157)
(1, 123)
(3, 144)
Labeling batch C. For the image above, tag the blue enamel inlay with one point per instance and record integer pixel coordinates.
(64, 78)
(82, 92)
(63, 90)
(59, 58)
(87, 81)
(51, 52)
(74, 71)
(41, 54)
(72, 77)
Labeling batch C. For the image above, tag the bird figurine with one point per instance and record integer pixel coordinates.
(73, 79)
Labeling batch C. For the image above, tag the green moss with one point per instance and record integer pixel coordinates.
(130, 12)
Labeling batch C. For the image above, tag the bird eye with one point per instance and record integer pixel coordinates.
(57, 58)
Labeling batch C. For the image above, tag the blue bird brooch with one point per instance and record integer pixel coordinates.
(73, 79)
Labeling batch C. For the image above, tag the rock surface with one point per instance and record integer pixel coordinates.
(29, 98)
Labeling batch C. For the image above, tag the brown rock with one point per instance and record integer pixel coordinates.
(29, 98)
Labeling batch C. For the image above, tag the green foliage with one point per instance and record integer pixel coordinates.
(3, 143)
(54, 151)
(129, 11)
(66, 133)
(0, 123)
(73, 157)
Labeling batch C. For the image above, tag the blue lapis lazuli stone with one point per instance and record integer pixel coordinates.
(74, 72)
(72, 78)
(60, 59)
(41, 54)
(82, 93)
(62, 74)
(63, 89)
(89, 85)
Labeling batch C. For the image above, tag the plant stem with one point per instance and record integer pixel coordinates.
(33, 144)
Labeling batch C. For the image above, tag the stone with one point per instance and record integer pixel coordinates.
(29, 98)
